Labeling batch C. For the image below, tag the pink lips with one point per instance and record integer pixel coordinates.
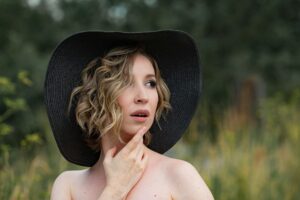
(140, 115)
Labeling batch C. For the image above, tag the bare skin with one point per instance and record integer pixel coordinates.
(161, 179)
(132, 171)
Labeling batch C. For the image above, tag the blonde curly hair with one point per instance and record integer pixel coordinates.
(103, 79)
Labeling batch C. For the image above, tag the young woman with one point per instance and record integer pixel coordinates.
(123, 115)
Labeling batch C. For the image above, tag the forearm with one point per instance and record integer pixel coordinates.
(111, 194)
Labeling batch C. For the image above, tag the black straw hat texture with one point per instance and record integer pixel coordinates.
(178, 60)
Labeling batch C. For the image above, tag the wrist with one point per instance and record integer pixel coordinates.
(112, 194)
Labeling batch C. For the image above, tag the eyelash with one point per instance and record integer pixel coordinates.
(152, 83)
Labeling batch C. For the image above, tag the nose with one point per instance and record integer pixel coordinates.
(141, 96)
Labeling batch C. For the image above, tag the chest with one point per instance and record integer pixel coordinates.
(152, 186)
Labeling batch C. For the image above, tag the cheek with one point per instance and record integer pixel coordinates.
(155, 101)
(124, 98)
(122, 105)
(122, 101)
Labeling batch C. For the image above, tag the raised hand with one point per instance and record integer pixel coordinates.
(124, 169)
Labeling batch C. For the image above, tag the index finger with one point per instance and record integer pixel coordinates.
(135, 140)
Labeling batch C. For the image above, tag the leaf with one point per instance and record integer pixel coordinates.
(5, 129)
(23, 77)
(6, 86)
(31, 139)
(15, 104)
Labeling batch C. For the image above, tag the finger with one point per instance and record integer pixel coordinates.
(144, 160)
(140, 133)
(140, 152)
(135, 153)
(110, 153)
(131, 145)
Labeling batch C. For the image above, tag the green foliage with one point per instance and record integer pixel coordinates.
(29, 175)
(12, 104)
(280, 118)
(247, 164)
(24, 79)
(6, 86)
(237, 40)
(258, 163)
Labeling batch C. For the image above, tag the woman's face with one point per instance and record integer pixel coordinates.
(139, 100)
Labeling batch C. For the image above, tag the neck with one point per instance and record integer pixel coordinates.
(106, 144)
(109, 141)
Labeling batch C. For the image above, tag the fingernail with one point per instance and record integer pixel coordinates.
(143, 129)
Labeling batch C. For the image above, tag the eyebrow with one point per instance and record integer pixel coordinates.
(150, 75)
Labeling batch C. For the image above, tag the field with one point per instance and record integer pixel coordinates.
(244, 162)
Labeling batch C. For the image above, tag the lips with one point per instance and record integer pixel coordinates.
(140, 113)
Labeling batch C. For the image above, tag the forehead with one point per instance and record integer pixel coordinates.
(142, 66)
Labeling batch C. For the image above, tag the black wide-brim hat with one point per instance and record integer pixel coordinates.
(178, 60)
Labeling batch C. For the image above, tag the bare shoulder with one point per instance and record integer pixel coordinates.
(61, 188)
(186, 182)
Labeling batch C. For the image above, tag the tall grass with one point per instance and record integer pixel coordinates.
(257, 162)
(249, 162)
(29, 175)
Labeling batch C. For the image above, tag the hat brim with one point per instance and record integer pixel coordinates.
(178, 60)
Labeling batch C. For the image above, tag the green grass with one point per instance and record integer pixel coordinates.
(260, 162)
(252, 162)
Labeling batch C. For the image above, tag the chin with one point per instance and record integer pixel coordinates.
(134, 129)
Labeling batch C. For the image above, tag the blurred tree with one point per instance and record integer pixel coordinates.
(24, 49)
(237, 40)
(12, 105)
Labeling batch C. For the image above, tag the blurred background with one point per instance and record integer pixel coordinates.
(245, 137)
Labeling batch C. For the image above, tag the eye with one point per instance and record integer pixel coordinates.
(151, 83)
